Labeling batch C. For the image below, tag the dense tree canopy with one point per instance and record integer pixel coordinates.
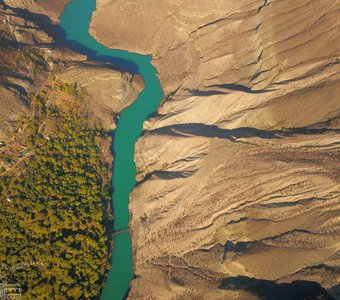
(53, 239)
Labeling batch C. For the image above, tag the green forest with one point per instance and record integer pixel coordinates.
(54, 241)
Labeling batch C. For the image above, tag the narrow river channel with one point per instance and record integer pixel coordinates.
(75, 22)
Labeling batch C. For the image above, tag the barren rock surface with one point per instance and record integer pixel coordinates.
(227, 203)
(51, 8)
(29, 59)
(199, 44)
(110, 91)
(239, 183)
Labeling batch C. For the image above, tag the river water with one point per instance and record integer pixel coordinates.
(75, 22)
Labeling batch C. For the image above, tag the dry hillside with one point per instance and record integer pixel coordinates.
(32, 57)
(239, 170)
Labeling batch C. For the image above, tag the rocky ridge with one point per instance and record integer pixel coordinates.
(238, 184)
(32, 53)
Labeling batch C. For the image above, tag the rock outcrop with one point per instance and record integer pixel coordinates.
(30, 55)
(51, 8)
(238, 171)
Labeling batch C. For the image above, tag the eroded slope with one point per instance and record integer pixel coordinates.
(238, 171)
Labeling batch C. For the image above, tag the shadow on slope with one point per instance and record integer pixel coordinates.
(270, 290)
(60, 40)
(212, 131)
(198, 129)
(238, 87)
(335, 291)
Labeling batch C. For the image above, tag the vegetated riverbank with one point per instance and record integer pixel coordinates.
(54, 193)
(75, 21)
(56, 115)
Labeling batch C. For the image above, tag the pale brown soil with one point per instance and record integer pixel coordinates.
(226, 188)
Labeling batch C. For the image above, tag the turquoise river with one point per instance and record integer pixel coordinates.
(75, 22)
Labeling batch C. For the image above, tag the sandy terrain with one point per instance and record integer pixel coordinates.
(239, 184)
(225, 203)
